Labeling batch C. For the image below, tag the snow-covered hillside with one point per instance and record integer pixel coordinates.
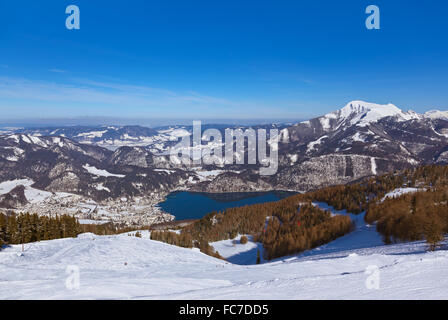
(127, 267)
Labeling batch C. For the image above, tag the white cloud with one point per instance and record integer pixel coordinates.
(80, 95)
(77, 97)
(95, 92)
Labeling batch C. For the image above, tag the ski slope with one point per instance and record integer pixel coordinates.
(127, 267)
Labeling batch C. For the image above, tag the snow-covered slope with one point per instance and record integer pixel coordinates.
(399, 192)
(126, 267)
(236, 252)
(356, 266)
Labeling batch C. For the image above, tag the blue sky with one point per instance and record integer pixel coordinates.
(219, 59)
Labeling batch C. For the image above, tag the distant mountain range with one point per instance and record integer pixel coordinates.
(359, 140)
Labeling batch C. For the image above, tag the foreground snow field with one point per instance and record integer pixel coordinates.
(127, 267)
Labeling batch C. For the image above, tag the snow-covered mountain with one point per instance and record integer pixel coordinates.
(361, 139)
(156, 140)
(45, 175)
(436, 114)
(127, 267)
(48, 174)
(112, 137)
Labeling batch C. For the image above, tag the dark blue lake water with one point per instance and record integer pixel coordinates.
(194, 205)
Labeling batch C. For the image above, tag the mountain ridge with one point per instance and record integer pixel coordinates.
(359, 140)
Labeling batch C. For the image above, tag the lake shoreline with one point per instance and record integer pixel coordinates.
(193, 205)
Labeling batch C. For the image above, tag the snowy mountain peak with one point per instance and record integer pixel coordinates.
(359, 106)
(362, 113)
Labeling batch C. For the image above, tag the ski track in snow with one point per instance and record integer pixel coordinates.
(127, 267)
